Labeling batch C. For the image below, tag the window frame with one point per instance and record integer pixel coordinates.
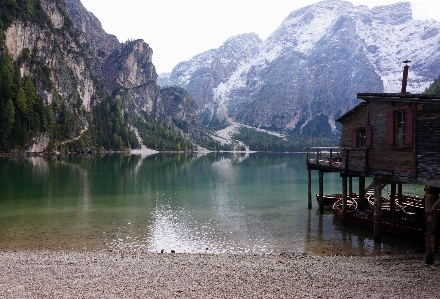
(361, 137)
(400, 128)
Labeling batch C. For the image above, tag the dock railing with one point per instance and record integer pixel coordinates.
(328, 158)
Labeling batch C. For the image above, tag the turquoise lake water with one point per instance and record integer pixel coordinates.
(214, 203)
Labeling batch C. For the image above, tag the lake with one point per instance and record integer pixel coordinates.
(194, 203)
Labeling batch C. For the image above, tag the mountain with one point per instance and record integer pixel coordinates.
(66, 84)
(308, 71)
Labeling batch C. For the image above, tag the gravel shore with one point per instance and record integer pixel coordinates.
(54, 274)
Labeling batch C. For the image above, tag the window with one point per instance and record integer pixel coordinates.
(361, 137)
(399, 128)
(399, 138)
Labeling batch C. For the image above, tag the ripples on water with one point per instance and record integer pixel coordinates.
(216, 203)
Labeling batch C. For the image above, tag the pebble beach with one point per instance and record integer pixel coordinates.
(103, 274)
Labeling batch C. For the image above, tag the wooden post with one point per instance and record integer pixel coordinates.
(393, 199)
(321, 192)
(317, 157)
(330, 159)
(309, 189)
(430, 226)
(350, 186)
(377, 211)
(399, 193)
(344, 200)
(361, 192)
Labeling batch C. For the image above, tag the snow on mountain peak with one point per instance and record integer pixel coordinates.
(313, 64)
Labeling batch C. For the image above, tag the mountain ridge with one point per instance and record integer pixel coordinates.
(308, 71)
(67, 85)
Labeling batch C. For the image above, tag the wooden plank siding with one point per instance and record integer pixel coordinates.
(428, 143)
(354, 161)
(382, 159)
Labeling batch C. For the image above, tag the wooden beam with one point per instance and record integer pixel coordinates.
(309, 189)
(399, 193)
(393, 199)
(414, 139)
(430, 226)
(436, 205)
(377, 211)
(344, 200)
(321, 192)
(361, 192)
(350, 185)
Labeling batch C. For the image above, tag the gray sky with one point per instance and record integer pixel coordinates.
(179, 29)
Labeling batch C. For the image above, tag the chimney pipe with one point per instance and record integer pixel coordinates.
(405, 76)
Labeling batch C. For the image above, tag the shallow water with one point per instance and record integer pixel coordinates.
(215, 203)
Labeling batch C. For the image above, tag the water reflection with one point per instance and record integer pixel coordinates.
(219, 202)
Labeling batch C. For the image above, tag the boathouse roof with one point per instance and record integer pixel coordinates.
(397, 97)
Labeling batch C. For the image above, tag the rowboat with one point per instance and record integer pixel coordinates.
(411, 207)
(385, 203)
(330, 199)
(395, 224)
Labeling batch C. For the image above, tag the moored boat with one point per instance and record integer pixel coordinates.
(390, 224)
(411, 207)
(330, 199)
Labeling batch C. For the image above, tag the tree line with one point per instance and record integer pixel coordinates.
(434, 88)
(22, 112)
(261, 141)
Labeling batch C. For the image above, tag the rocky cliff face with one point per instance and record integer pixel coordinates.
(78, 65)
(55, 47)
(97, 43)
(308, 71)
(128, 73)
(129, 66)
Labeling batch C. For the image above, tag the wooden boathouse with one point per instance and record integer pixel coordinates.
(394, 138)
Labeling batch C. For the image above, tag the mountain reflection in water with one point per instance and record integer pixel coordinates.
(214, 203)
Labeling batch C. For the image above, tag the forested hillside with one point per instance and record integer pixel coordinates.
(66, 85)
(434, 88)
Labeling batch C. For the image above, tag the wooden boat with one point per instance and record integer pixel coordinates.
(330, 199)
(411, 207)
(414, 204)
(385, 203)
(396, 224)
(351, 204)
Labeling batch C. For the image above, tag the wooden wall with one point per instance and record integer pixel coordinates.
(382, 159)
(356, 120)
(428, 143)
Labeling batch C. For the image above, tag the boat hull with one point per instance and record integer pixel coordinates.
(366, 219)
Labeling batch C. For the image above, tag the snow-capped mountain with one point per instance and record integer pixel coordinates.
(203, 74)
(309, 70)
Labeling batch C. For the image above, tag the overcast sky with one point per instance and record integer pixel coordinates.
(177, 30)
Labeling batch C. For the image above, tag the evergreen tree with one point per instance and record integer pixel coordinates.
(434, 88)
(20, 101)
(9, 119)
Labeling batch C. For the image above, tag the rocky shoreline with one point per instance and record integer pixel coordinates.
(61, 274)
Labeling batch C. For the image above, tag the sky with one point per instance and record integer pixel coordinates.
(180, 29)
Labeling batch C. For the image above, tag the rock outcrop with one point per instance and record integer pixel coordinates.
(129, 66)
(98, 44)
(58, 51)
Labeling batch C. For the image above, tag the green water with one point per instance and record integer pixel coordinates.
(215, 203)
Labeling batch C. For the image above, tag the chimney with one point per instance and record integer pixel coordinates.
(405, 76)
